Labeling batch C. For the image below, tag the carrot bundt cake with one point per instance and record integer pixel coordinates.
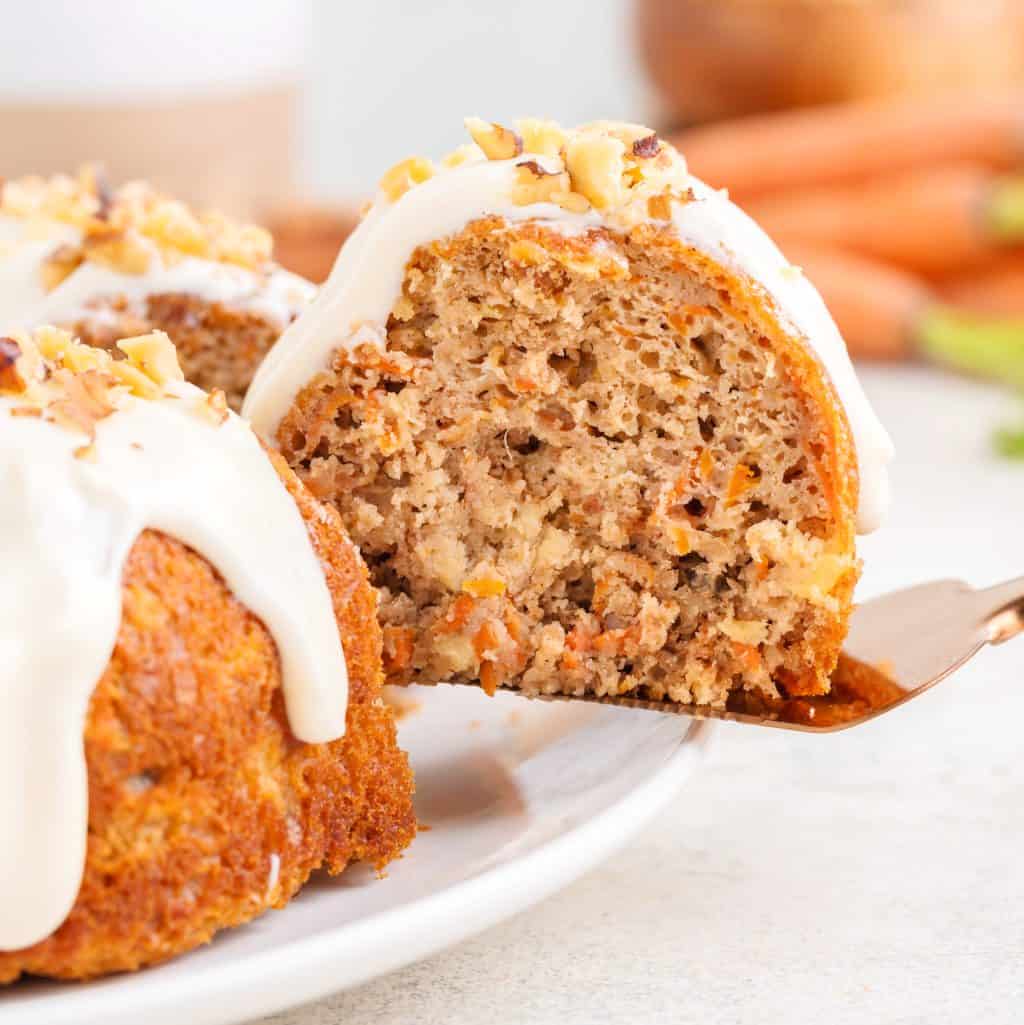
(190, 713)
(589, 429)
(110, 263)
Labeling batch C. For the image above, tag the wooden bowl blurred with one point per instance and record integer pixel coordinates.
(307, 237)
(720, 58)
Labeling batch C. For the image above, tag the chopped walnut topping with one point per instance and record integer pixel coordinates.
(51, 343)
(10, 371)
(648, 146)
(536, 170)
(122, 251)
(104, 194)
(215, 405)
(596, 166)
(84, 400)
(55, 377)
(134, 212)
(623, 170)
(404, 175)
(572, 202)
(468, 153)
(497, 142)
(59, 264)
(173, 223)
(539, 136)
(247, 245)
(132, 378)
(535, 185)
(659, 207)
(154, 354)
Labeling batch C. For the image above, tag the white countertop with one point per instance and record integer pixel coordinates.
(869, 876)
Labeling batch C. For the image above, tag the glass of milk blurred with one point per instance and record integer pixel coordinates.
(200, 97)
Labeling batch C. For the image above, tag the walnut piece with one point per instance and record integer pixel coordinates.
(83, 400)
(467, 153)
(497, 142)
(64, 260)
(121, 251)
(539, 136)
(154, 354)
(596, 166)
(404, 175)
(174, 225)
(621, 169)
(215, 406)
(646, 147)
(573, 202)
(659, 207)
(135, 209)
(535, 185)
(11, 379)
(130, 377)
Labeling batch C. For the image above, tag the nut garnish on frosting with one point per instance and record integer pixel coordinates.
(116, 224)
(624, 171)
(54, 376)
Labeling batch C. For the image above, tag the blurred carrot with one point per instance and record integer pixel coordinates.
(307, 237)
(875, 306)
(974, 343)
(887, 314)
(844, 143)
(997, 288)
(931, 220)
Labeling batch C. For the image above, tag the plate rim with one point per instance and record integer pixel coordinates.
(299, 970)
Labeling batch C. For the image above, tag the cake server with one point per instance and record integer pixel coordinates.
(909, 640)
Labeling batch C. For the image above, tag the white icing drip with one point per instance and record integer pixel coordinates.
(66, 527)
(277, 296)
(367, 278)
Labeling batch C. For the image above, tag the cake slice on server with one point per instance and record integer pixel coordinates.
(589, 428)
(108, 263)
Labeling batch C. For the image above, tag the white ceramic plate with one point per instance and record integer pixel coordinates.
(521, 798)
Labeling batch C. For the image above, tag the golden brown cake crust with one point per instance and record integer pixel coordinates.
(204, 810)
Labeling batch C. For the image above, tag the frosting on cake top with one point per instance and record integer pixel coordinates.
(604, 174)
(68, 241)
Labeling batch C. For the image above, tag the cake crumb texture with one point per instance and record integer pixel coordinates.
(589, 462)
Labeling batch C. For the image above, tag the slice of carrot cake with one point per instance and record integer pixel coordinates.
(589, 428)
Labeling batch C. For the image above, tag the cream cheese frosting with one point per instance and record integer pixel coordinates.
(27, 243)
(353, 306)
(71, 512)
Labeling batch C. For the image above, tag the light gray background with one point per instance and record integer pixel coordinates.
(391, 78)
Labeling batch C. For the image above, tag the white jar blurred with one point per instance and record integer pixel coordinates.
(200, 97)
